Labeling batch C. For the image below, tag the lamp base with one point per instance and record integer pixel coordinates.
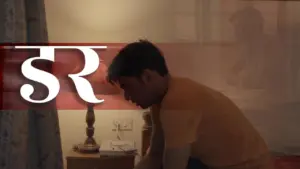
(87, 148)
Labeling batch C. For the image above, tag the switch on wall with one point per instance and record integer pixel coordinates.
(123, 125)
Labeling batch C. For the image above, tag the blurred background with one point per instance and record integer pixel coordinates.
(249, 50)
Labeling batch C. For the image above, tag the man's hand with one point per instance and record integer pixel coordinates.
(176, 158)
(150, 162)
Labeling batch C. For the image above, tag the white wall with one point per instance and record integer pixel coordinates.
(108, 21)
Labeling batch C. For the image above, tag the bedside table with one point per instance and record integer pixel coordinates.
(94, 161)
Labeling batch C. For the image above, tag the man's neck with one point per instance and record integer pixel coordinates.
(164, 88)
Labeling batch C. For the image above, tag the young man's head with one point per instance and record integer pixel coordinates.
(248, 24)
(141, 71)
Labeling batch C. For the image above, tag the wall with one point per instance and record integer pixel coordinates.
(106, 21)
(208, 57)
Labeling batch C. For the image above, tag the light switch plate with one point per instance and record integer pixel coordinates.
(124, 124)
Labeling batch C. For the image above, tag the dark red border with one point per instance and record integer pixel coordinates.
(2, 55)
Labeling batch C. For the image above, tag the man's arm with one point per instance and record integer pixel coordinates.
(176, 158)
(157, 139)
(153, 158)
(180, 132)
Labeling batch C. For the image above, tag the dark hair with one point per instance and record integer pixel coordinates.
(248, 16)
(134, 58)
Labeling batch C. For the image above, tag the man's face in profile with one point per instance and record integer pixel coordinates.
(138, 91)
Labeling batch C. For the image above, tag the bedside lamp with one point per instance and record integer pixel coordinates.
(100, 86)
(89, 145)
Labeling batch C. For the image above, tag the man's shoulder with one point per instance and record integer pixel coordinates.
(183, 93)
(186, 86)
(191, 95)
(188, 89)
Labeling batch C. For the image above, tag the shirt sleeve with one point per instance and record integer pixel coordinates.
(180, 127)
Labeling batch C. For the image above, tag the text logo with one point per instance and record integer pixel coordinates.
(47, 53)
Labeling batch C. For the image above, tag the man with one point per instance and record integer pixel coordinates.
(193, 125)
(250, 66)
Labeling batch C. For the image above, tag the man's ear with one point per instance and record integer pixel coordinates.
(147, 75)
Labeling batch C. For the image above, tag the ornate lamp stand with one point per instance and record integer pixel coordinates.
(89, 145)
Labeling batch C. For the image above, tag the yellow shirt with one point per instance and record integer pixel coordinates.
(221, 136)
